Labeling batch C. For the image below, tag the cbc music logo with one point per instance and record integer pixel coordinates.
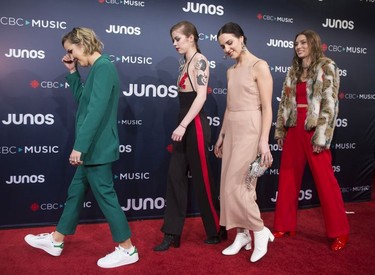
(338, 24)
(142, 60)
(34, 23)
(355, 189)
(25, 54)
(357, 96)
(144, 204)
(203, 8)
(344, 49)
(130, 122)
(24, 179)
(217, 91)
(132, 3)
(280, 69)
(210, 37)
(52, 206)
(132, 176)
(279, 19)
(48, 84)
(128, 30)
(29, 119)
(344, 146)
(33, 149)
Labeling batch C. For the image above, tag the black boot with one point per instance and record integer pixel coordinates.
(223, 233)
(168, 240)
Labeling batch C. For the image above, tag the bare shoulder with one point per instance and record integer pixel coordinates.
(200, 62)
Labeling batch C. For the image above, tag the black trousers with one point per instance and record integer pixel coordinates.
(191, 154)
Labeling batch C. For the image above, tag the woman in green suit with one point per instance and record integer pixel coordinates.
(95, 148)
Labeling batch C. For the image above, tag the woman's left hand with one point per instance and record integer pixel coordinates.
(266, 156)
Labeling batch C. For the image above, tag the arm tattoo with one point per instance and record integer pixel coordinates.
(201, 66)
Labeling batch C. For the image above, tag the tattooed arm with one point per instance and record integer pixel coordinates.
(199, 74)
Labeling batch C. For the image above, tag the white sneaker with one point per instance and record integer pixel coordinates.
(243, 239)
(118, 258)
(45, 242)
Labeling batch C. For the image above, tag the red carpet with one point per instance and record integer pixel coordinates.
(306, 253)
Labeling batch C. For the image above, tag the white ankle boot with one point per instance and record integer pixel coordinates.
(261, 239)
(243, 239)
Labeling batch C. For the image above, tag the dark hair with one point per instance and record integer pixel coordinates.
(316, 52)
(234, 29)
(187, 29)
(85, 37)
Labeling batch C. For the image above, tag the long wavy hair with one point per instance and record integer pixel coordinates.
(85, 37)
(315, 45)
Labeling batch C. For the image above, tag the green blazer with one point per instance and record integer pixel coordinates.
(96, 135)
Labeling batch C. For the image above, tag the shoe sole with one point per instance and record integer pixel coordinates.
(119, 264)
(43, 248)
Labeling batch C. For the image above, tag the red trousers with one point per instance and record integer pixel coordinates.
(297, 150)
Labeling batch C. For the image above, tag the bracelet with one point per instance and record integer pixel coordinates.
(182, 126)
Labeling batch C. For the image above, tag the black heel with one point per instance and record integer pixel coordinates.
(168, 240)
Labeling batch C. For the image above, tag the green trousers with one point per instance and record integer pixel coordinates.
(99, 179)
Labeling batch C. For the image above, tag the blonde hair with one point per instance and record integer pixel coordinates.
(86, 38)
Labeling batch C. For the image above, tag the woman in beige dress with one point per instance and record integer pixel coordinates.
(244, 134)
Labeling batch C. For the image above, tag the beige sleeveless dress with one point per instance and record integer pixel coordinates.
(242, 128)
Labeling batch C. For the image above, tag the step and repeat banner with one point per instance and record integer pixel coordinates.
(37, 108)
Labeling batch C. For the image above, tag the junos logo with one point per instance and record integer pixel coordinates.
(303, 195)
(203, 8)
(24, 53)
(213, 121)
(29, 119)
(144, 204)
(338, 24)
(150, 90)
(278, 43)
(342, 122)
(129, 30)
(17, 179)
(125, 148)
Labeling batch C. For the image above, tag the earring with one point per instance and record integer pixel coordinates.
(243, 47)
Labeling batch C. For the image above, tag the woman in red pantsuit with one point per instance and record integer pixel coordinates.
(305, 123)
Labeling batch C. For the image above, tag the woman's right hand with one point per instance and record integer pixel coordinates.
(69, 62)
(218, 150)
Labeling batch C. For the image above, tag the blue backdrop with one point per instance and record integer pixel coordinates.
(37, 109)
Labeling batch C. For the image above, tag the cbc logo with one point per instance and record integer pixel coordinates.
(219, 91)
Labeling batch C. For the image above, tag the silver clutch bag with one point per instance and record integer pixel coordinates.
(255, 171)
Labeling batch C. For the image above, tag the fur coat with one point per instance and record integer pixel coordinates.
(322, 98)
